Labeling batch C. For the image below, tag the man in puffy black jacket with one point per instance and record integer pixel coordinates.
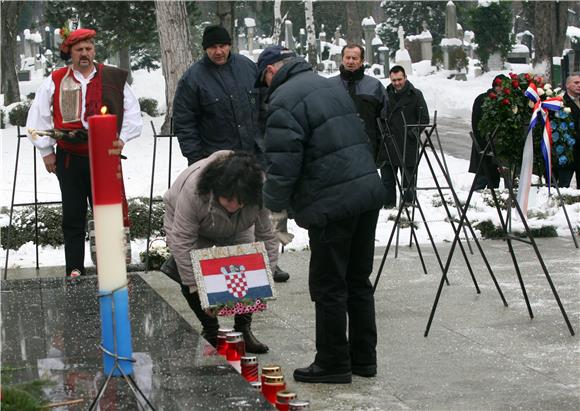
(367, 93)
(216, 106)
(406, 105)
(321, 170)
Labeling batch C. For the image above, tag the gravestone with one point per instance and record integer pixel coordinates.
(402, 57)
(288, 36)
(450, 42)
(369, 25)
(250, 25)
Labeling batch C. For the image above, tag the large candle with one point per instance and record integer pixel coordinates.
(109, 241)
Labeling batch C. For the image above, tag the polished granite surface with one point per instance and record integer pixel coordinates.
(51, 330)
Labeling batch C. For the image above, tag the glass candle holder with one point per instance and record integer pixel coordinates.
(235, 349)
(299, 405)
(271, 385)
(270, 370)
(221, 340)
(249, 368)
(283, 399)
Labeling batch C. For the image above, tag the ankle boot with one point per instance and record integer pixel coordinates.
(242, 323)
(210, 324)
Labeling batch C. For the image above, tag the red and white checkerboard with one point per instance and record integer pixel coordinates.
(237, 284)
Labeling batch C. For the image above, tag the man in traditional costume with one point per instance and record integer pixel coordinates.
(63, 103)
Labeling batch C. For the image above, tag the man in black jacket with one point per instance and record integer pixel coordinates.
(367, 93)
(321, 170)
(406, 105)
(481, 180)
(572, 100)
(216, 106)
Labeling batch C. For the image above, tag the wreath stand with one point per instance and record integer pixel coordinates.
(506, 174)
(429, 130)
(117, 370)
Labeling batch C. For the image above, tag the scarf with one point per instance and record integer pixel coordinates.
(351, 77)
(94, 97)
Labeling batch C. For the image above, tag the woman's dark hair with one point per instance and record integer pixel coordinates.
(237, 175)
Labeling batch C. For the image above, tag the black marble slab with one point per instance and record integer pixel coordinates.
(51, 330)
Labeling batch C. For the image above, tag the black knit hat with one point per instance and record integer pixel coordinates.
(215, 35)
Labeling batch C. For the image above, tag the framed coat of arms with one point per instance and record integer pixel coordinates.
(234, 279)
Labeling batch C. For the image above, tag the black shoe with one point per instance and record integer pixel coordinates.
(280, 276)
(315, 374)
(242, 323)
(364, 370)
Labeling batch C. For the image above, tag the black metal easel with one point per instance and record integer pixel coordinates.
(36, 203)
(428, 131)
(489, 151)
(151, 200)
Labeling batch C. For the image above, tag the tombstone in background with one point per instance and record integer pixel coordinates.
(519, 54)
(302, 40)
(320, 46)
(242, 42)
(384, 58)
(57, 39)
(27, 44)
(337, 36)
(377, 44)
(495, 62)
(48, 42)
(450, 42)
(528, 41)
(250, 26)
(369, 25)
(402, 57)
(288, 37)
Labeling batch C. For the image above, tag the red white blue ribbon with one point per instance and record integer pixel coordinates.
(539, 115)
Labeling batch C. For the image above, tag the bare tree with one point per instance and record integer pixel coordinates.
(310, 34)
(226, 13)
(10, 11)
(277, 22)
(354, 17)
(550, 23)
(176, 48)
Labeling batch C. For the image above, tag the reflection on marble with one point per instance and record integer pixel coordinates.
(51, 329)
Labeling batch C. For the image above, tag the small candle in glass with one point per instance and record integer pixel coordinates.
(271, 385)
(221, 340)
(299, 405)
(235, 349)
(249, 368)
(283, 399)
(270, 370)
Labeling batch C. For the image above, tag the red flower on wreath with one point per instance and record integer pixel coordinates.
(492, 95)
(507, 91)
(497, 81)
(515, 84)
(505, 102)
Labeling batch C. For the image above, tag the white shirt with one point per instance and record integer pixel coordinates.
(40, 113)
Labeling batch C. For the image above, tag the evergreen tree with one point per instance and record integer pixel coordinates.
(411, 15)
(492, 26)
(121, 26)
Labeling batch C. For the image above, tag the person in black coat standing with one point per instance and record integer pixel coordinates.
(572, 100)
(367, 93)
(481, 180)
(321, 171)
(406, 105)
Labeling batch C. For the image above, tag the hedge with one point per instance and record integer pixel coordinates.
(49, 223)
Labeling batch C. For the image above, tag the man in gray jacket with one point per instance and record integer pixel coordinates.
(367, 93)
(216, 106)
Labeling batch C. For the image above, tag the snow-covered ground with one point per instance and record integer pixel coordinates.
(450, 98)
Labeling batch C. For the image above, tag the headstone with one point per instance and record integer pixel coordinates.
(384, 53)
(288, 36)
(250, 25)
(402, 57)
(369, 25)
(528, 41)
(302, 39)
(450, 21)
(426, 45)
(495, 62)
(337, 36)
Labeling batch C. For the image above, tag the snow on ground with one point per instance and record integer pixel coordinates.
(449, 97)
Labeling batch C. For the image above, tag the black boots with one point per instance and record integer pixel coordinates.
(210, 324)
(242, 323)
(280, 276)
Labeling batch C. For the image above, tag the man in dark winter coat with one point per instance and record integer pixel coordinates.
(406, 105)
(320, 169)
(572, 100)
(476, 115)
(216, 106)
(367, 93)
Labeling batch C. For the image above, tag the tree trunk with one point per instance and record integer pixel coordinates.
(125, 62)
(10, 11)
(176, 48)
(277, 22)
(310, 34)
(550, 23)
(226, 11)
(354, 32)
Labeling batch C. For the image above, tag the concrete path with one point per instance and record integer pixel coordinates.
(478, 355)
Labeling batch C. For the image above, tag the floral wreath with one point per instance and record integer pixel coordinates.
(509, 110)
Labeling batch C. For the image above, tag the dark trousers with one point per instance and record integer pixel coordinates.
(74, 178)
(564, 177)
(341, 263)
(481, 180)
(388, 177)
